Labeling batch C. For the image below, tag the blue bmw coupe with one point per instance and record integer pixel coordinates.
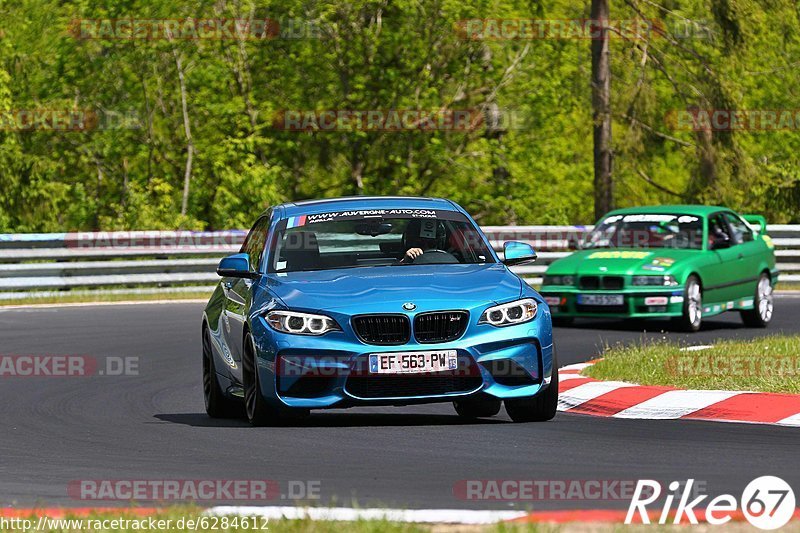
(375, 301)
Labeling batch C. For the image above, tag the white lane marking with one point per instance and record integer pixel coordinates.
(588, 391)
(675, 404)
(793, 420)
(565, 377)
(696, 348)
(786, 294)
(576, 367)
(449, 516)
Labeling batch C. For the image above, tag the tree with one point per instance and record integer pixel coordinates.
(601, 112)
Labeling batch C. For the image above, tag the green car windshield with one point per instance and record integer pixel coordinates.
(647, 230)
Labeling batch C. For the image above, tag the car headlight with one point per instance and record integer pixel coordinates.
(559, 280)
(659, 281)
(301, 323)
(510, 313)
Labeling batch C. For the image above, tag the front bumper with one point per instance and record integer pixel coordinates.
(321, 372)
(637, 302)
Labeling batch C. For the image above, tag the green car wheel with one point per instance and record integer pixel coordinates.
(692, 317)
(761, 314)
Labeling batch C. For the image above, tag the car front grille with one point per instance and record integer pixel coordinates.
(440, 326)
(464, 379)
(384, 330)
(606, 282)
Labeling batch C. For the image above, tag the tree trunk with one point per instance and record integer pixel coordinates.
(601, 114)
(187, 176)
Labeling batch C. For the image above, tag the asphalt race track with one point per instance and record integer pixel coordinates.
(152, 425)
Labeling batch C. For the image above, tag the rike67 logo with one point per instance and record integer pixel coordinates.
(767, 502)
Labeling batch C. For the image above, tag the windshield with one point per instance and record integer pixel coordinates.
(647, 231)
(385, 237)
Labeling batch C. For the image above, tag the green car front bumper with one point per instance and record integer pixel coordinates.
(634, 302)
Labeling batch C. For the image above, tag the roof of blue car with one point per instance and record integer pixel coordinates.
(348, 203)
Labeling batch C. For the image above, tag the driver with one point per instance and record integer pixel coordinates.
(418, 237)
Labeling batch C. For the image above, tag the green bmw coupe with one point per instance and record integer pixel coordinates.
(686, 262)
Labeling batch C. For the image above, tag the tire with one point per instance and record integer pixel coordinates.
(763, 305)
(218, 405)
(539, 408)
(259, 412)
(483, 406)
(692, 317)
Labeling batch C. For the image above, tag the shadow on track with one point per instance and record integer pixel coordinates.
(335, 419)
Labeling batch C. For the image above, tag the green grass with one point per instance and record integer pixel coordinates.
(768, 364)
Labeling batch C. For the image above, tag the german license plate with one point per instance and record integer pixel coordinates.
(601, 299)
(412, 362)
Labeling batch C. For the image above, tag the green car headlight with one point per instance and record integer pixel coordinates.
(559, 280)
(654, 281)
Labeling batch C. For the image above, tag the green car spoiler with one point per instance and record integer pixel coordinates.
(757, 220)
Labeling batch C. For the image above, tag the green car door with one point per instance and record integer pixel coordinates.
(722, 280)
(750, 253)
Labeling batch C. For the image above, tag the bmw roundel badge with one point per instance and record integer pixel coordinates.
(409, 306)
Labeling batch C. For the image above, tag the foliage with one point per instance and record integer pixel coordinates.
(373, 55)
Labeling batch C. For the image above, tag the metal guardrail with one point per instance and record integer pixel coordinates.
(62, 261)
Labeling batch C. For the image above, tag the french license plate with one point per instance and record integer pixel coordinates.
(601, 299)
(412, 362)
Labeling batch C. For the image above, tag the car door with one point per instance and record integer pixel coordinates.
(237, 290)
(720, 285)
(748, 255)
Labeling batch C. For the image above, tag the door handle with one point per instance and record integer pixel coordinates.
(741, 256)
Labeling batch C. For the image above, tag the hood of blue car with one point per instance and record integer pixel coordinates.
(386, 289)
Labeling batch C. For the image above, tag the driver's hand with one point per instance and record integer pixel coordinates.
(412, 254)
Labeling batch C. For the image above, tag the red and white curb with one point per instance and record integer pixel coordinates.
(617, 399)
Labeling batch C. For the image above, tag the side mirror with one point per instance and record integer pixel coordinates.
(518, 253)
(236, 266)
(717, 243)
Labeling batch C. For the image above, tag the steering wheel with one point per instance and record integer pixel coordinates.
(435, 256)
